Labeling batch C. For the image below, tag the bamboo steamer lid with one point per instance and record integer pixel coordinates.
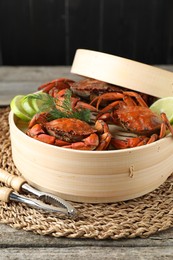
(123, 72)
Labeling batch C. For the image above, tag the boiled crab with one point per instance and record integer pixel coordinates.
(86, 89)
(129, 111)
(70, 133)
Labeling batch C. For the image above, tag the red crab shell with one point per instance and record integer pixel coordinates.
(69, 129)
(89, 88)
(138, 120)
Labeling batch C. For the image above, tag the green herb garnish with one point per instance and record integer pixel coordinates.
(48, 103)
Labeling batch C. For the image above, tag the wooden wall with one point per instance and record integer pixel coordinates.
(48, 32)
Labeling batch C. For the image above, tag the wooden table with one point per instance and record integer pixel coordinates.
(19, 244)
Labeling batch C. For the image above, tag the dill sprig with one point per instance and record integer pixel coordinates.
(65, 110)
(81, 114)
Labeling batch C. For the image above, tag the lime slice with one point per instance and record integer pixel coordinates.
(37, 103)
(27, 106)
(164, 105)
(17, 108)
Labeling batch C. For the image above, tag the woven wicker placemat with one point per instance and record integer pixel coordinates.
(140, 217)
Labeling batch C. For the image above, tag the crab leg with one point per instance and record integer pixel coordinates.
(153, 138)
(137, 97)
(167, 123)
(61, 83)
(107, 97)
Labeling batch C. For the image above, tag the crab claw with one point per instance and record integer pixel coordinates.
(104, 134)
(38, 133)
(128, 142)
(56, 84)
(88, 143)
(39, 118)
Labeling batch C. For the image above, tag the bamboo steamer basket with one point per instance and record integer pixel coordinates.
(96, 176)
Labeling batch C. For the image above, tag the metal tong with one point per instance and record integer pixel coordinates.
(45, 201)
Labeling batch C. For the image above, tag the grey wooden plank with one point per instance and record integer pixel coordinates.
(42, 74)
(81, 253)
(24, 80)
(34, 73)
(10, 237)
(9, 90)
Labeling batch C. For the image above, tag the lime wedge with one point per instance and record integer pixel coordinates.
(17, 108)
(164, 105)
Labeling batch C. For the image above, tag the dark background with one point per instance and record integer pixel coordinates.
(48, 32)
